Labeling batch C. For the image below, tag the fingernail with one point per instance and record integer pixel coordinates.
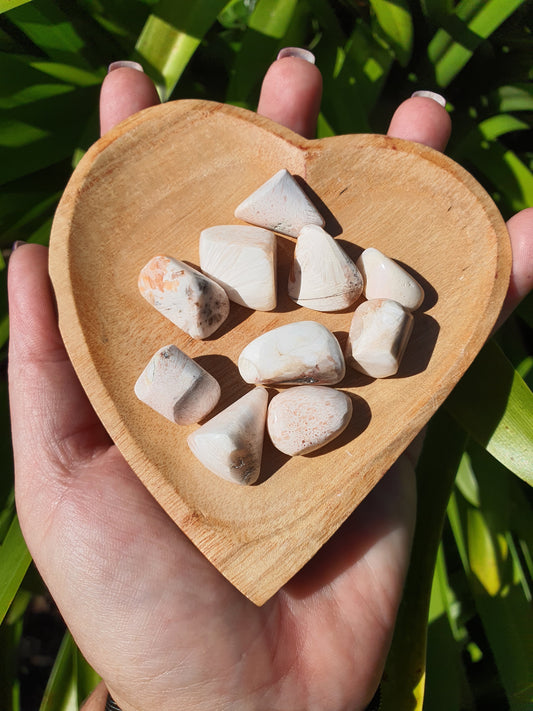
(297, 52)
(431, 95)
(17, 244)
(124, 63)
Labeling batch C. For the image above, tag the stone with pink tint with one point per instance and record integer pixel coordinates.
(303, 419)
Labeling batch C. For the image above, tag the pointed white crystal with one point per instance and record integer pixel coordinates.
(385, 279)
(242, 259)
(296, 353)
(231, 443)
(303, 419)
(192, 301)
(280, 205)
(323, 277)
(177, 387)
(379, 333)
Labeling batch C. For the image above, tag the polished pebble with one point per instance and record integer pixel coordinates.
(297, 353)
(303, 419)
(385, 279)
(378, 337)
(280, 205)
(231, 443)
(322, 276)
(192, 301)
(177, 387)
(242, 259)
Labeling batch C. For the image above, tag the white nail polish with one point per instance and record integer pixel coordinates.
(431, 95)
(124, 63)
(297, 52)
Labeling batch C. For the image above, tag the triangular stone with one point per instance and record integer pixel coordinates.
(231, 443)
(280, 205)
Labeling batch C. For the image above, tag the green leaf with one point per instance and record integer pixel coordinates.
(504, 609)
(170, 37)
(396, 24)
(446, 685)
(514, 97)
(61, 693)
(6, 5)
(473, 21)
(268, 28)
(356, 81)
(71, 680)
(404, 678)
(494, 405)
(50, 29)
(14, 562)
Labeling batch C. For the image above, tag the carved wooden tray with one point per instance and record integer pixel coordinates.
(149, 187)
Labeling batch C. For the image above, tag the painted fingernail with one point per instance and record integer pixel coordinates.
(431, 95)
(124, 63)
(17, 244)
(297, 52)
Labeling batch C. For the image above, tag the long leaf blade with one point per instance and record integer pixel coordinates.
(396, 24)
(171, 35)
(494, 405)
(14, 562)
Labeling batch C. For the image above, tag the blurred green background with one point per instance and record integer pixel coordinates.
(464, 639)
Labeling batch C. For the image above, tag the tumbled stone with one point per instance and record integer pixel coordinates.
(188, 298)
(386, 279)
(242, 259)
(280, 205)
(297, 353)
(378, 336)
(322, 276)
(177, 387)
(231, 444)
(303, 419)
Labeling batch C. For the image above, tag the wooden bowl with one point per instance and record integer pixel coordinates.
(149, 187)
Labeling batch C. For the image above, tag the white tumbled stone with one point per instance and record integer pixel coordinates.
(303, 419)
(386, 279)
(177, 387)
(280, 205)
(231, 444)
(242, 259)
(296, 353)
(188, 298)
(378, 336)
(322, 276)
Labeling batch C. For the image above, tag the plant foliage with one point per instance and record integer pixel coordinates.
(464, 634)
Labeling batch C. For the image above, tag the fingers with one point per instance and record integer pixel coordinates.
(125, 90)
(292, 91)
(423, 120)
(520, 228)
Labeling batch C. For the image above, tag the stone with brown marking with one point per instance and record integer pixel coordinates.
(188, 298)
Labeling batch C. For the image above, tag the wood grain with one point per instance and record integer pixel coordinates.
(149, 187)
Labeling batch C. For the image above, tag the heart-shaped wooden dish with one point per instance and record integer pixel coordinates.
(149, 187)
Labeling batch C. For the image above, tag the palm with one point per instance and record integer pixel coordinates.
(285, 654)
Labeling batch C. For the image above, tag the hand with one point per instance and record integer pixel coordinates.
(162, 627)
